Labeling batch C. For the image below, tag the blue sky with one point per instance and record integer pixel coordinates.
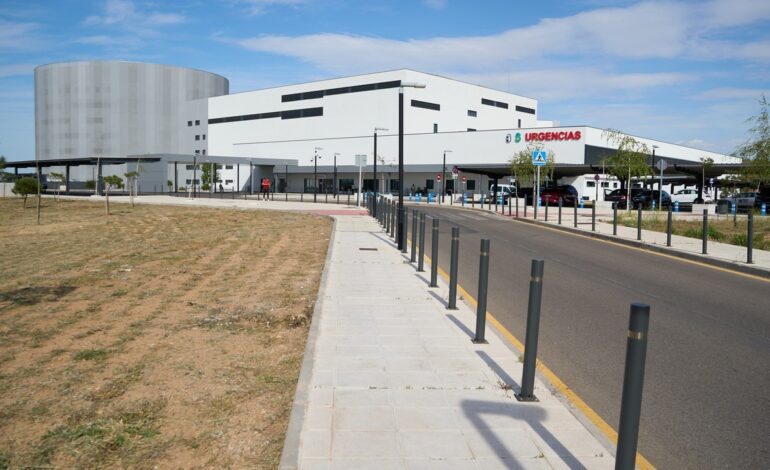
(680, 71)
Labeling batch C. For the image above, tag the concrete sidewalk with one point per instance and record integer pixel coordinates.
(720, 254)
(391, 379)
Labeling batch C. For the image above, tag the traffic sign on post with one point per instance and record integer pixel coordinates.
(539, 157)
(597, 177)
(465, 179)
(438, 177)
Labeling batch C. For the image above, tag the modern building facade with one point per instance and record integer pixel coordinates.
(306, 136)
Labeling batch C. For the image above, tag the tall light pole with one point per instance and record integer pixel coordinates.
(443, 176)
(315, 174)
(660, 184)
(376, 183)
(360, 161)
(334, 183)
(400, 224)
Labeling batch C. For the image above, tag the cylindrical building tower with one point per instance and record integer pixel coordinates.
(115, 109)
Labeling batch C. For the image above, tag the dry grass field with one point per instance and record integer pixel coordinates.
(157, 337)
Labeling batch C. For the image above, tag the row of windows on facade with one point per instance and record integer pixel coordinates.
(471, 112)
(198, 167)
(197, 123)
(197, 182)
(200, 137)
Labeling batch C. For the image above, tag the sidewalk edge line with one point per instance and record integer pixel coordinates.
(290, 452)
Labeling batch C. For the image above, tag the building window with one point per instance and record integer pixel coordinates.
(204, 151)
(197, 137)
(192, 167)
(228, 181)
(471, 113)
(523, 109)
(197, 122)
(470, 129)
(605, 184)
(470, 185)
(429, 184)
(197, 152)
(291, 114)
(228, 167)
(435, 128)
(197, 181)
(519, 123)
(309, 95)
(189, 123)
(204, 136)
(426, 105)
(590, 184)
(497, 104)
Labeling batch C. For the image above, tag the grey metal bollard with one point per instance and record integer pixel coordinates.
(481, 305)
(434, 255)
(453, 261)
(546, 212)
(421, 258)
(575, 211)
(705, 230)
(593, 217)
(561, 204)
(750, 238)
(393, 220)
(533, 330)
(525, 207)
(615, 218)
(404, 224)
(415, 218)
(633, 383)
(639, 222)
(669, 226)
(517, 206)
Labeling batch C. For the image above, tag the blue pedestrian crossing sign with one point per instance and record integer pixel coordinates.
(539, 157)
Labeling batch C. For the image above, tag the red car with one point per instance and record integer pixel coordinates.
(551, 196)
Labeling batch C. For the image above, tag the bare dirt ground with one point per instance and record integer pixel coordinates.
(157, 337)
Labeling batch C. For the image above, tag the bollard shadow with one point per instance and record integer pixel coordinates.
(501, 373)
(460, 325)
(383, 237)
(424, 279)
(476, 410)
(444, 302)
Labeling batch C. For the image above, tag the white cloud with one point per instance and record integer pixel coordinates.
(730, 93)
(104, 40)
(18, 36)
(259, 7)
(15, 70)
(126, 15)
(435, 4)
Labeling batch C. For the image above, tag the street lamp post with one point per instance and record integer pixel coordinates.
(376, 183)
(443, 176)
(334, 183)
(400, 224)
(315, 174)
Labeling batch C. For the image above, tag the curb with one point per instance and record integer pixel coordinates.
(720, 263)
(290, 452)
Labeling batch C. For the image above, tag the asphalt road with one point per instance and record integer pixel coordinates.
(706, 400)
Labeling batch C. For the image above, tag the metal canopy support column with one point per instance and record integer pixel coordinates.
(176, 178)
(67, 179)
(99, 178)
(238, 177)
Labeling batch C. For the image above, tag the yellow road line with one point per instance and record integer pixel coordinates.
(557, 383)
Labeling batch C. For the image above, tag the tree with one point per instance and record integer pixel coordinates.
(522, 168)
(206, 175)
(24, 187)
(706, 164)
(755, 152)
(132, 178)
(170, 185)
(629, 160)
(109, 182)
(57, 178)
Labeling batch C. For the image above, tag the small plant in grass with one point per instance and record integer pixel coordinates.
(91, 355)
(24, 187)
(109, 182)
(170, 185)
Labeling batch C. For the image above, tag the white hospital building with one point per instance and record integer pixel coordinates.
(106, 117)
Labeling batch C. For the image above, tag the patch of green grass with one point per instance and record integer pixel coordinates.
(91, 355)
(118, 386)
(119, 293)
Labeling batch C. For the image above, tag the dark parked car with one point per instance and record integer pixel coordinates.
(645, 197)
(550, 196)
(742, 202)
(618, 196)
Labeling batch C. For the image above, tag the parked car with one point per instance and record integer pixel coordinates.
(645, 197)
(503, 190)
(550, 196)
(618, 196)
(691, 196)
(742, 202)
